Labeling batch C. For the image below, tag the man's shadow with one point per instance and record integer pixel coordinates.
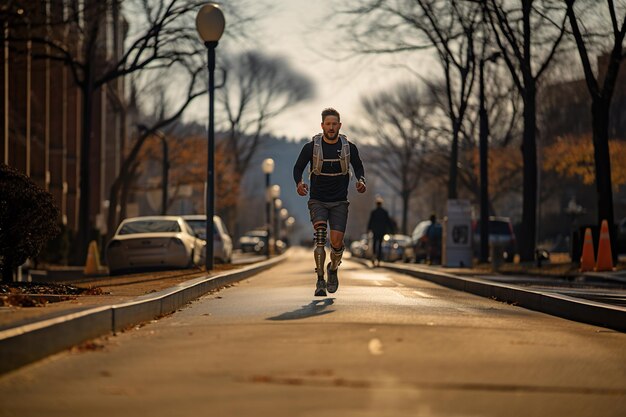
(314, 308)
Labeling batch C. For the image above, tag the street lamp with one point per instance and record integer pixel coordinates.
(210, 25)
(484, 160)
(268, 168)
(277, 204)
(284, 214)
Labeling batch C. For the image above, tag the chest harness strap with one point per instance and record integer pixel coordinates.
(318, 157)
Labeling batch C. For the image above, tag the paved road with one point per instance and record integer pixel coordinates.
(383, 345)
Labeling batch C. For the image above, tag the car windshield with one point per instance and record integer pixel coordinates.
(199, 228)
(150, 226)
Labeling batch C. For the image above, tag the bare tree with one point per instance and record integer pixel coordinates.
(601, 86)
(398, 120)
(528, 33)
(162, 118)
(503, 109)
(257, 89)
(161, 34)
(449, 27)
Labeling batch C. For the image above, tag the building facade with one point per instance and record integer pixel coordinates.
(41, 111)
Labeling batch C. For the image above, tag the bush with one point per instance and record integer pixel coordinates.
(57, 250)
(28, 219)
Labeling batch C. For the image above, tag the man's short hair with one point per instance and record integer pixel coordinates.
(330, 112)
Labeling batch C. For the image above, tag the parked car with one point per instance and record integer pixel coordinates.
(394, 247)
(356, 249)
(420, 249)
(500, 233)
(253, 241)
(361, 248)
(222, 242)
(153, 242)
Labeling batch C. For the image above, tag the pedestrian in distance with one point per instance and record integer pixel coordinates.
(433, 241)
(379, 225)
(329, 156)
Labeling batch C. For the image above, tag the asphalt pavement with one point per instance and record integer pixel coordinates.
(386, 344)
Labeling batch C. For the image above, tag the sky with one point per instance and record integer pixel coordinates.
(297, 31)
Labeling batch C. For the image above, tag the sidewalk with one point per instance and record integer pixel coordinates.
(560, 291)
(29, 334)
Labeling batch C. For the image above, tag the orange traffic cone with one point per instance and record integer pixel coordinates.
(92, 266)
(587, 260)
(605, 256)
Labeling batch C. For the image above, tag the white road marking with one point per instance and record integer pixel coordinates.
(375, 347)
(423, 294)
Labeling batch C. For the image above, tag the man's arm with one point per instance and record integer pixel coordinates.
(357, 164)
(303, 159)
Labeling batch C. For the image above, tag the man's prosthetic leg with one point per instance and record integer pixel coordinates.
(320, 258)
(335, 261)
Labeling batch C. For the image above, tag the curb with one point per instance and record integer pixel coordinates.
(24, 344)
(584, 311)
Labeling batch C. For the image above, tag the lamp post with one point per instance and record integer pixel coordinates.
(274, 195)
(210, 25)
(484, 161)
(289, 223)
(268, 168)
(278, 204)
(284, 214)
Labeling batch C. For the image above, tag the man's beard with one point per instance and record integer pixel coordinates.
(331, 137)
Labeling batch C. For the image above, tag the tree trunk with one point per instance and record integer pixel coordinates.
(7, 274)
(406, 196)
(126, 183)
(112, 220)
(84, 221)
(454, 160)
(529, 155)
(600, 125)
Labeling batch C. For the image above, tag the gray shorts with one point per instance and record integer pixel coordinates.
(336, 214)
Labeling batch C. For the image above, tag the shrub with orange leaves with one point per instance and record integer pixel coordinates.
(188, 164)
(505, 169)
(572, 156)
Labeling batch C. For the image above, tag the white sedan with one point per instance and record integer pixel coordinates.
(153, 242)
(222, 242)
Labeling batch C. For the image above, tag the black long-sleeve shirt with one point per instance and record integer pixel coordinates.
(328, 188)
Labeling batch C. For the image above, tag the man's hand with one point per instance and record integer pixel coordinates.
(360, 187)
(302, 189)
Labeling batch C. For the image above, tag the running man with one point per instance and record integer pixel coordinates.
(329, 155)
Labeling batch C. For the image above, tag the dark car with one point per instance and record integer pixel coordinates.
(394, 247)
(421, 246)
(500, 233)
(253, 241)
